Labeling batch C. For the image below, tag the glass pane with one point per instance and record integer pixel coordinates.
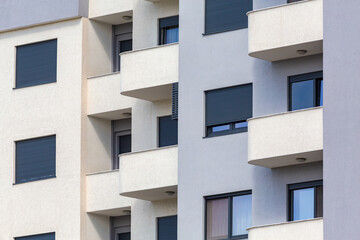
(321, 93)
(303, 204)
(302, 95)
(241, 215)
(221, 128)
(172, 35)
(217, 219)
(241, 125)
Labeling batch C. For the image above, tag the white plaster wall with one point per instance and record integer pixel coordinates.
(99, 8)
(145, 123)
(98, 145)
(55, 108)
(285, 134)
(299, 230)
(97, 227)
(146, 15)
(99, 45)
(102, 191)
(151, 169)
(104, 98)
(159, 66)
(144, 216)
(272, 31)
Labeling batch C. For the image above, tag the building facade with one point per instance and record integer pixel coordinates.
(168, 119)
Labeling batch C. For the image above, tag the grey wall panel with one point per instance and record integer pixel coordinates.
(341, 119)
(19, 13)
(219, 164)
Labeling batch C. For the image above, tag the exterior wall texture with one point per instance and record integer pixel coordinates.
(341, 151)
(85, 100)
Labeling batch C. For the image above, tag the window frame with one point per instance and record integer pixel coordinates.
(35, 235)
(299, 186)
(15, 182)
(162, 30)
(158, 131)
(233, 130)
(205, 33)
(16, 59)
(230, 197)
(316, 77)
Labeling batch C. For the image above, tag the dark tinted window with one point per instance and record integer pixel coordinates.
(226, 15)
(227, 109)
(124, 236)
(36, 63)
(291, 1)
(168, 131)
(306, 200)
(167, 228)
(306, 91)
(47, 236)
(228, 216)
(169, 30)
(35, 159)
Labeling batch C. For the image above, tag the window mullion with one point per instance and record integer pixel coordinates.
(230, 218)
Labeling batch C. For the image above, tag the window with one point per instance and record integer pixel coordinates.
(122, 42)
(168, 131)
(35, 159)
(227, 109)
(169, 30)
(306, 91)
(46, 236)
(36, 63)
(121, 139)
(228, 216)
(167, 228)
(120, 228)
(226, 15)
(292, 1)
(306, 200)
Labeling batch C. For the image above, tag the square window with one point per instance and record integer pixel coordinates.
(167, 228)
(228, 216)
(169, 30)
(306, 91)
(46, 236)
(35, 159)
(227, 110)
(36, 64)
(168, 131)
(226, 15)
(306, 200)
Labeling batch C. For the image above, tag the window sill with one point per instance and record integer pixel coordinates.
(35, 85)
(223, 31)
(35, 180)
(223, 133)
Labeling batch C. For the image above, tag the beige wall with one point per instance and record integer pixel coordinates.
(83, 142)
(55, 108)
